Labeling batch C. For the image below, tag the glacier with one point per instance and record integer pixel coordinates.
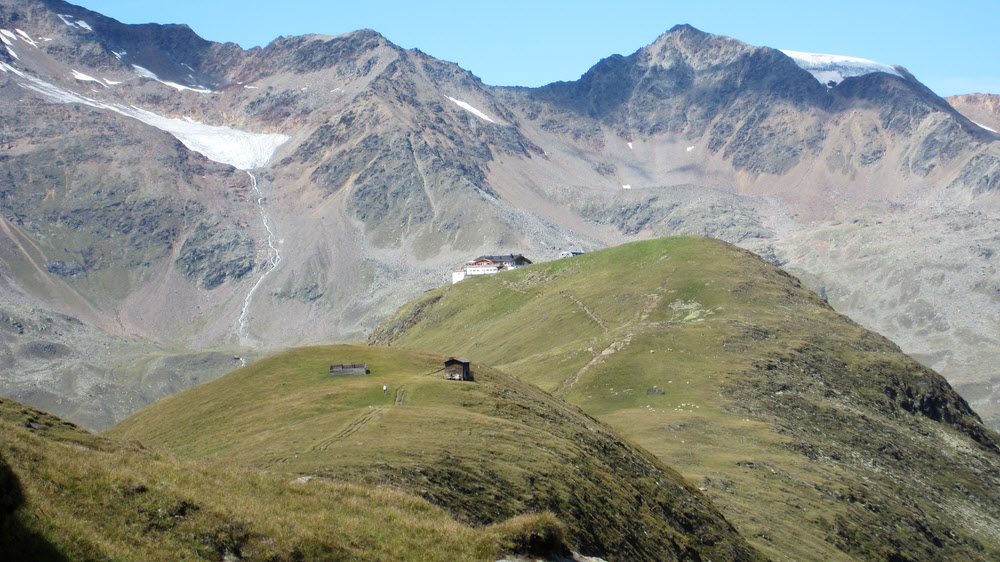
(835, 68)
(240, 149)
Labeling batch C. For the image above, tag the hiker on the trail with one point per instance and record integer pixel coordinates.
(385, 389)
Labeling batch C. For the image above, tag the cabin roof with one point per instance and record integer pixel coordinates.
(507, 258)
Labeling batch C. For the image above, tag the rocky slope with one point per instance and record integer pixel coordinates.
(378, 169)
(983, 109)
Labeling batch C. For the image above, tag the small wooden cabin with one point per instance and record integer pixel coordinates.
(457, 369)
(348, 369)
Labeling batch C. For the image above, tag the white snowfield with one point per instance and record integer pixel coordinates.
(6, 37)
(26, 37)
(67, 19)
(5, 68)
(146, 73)
(239, 149)
(981, 126)
(471, 109)
(85, 78)
(835, 68)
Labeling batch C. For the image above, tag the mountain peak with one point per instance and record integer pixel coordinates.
(685, 28)
(686, 31)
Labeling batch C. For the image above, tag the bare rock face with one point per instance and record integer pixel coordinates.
(982, 109)
(191, 195)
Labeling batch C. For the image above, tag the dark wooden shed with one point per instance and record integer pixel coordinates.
(348, 369)
(457, 369)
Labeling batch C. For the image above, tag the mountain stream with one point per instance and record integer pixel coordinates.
(274, 259)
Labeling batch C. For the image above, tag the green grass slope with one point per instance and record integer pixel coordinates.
(816, 438)
(66, 494)
(486, 451)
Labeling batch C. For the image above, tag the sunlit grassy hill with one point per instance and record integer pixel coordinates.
(486, 451)
(66, 494)
(817, 438)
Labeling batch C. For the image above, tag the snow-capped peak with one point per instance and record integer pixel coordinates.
(834, 68)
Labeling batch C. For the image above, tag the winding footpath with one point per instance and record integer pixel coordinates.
(274, 259)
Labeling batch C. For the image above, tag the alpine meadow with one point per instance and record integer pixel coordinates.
(336, 299)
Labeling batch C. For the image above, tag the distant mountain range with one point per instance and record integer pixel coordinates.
(172, 208)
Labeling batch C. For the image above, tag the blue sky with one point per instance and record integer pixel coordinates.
(951, 47)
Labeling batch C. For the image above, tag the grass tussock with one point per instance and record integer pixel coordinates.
(539, 535)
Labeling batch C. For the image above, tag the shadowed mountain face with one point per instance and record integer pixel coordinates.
(128, 206)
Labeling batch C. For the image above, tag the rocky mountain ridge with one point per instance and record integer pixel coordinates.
(983, 109)
(398, 166)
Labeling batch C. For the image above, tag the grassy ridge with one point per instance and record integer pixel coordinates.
(817, 438)
(487, 451)
(70, 495)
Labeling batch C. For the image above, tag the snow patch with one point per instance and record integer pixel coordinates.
(835, 68)
(85, 78)
(252, 87)
(981, 126)
(66, 21)
(6, 41)
(119, 55)
(84, 25)
(239, 149)
(8, 68)
(690, 148)
(111, 82)
(471, 109)
(626, 186)
(146, 73)
(12, 53)
(7, 36)
(630, 146)
(26, 37)
(182, 87)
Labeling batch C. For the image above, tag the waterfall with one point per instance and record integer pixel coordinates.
(274, 258)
